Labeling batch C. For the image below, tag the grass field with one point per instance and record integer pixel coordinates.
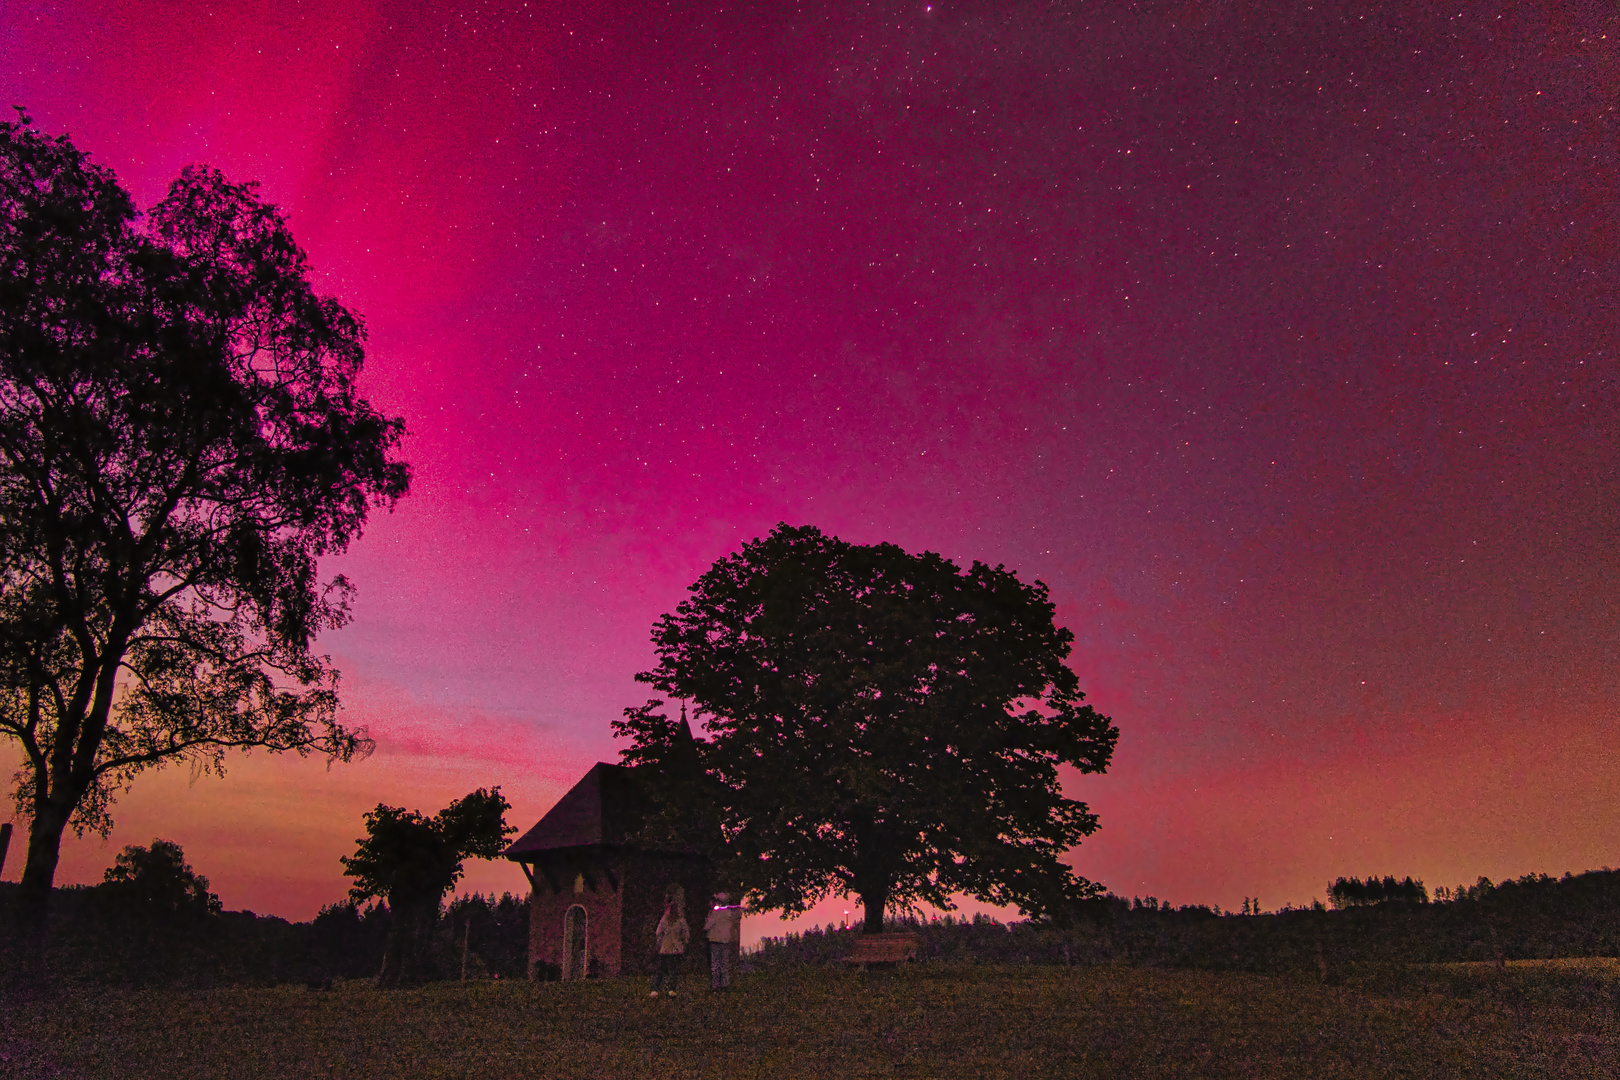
(1532, 1019)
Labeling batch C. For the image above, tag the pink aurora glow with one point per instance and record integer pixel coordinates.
(1280, 345)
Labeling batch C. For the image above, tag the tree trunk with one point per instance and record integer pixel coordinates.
(410, 936)
(39, 872)
(874, 902)
(397, 950)
(388, 977)
(425, 966)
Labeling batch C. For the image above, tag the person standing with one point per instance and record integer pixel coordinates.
(724, 928)
(673, 934)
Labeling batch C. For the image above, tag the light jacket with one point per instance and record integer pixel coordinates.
(724, 923)
(672, 934)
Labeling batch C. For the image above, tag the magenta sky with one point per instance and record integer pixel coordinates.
(1281, 344)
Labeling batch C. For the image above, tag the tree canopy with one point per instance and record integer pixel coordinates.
(877, 723)
(410, 862)
(181, 441)
(157, 882)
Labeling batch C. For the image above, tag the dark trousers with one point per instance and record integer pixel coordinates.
(719, 964)
(669, 966)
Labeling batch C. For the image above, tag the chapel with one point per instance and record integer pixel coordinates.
(596, 895)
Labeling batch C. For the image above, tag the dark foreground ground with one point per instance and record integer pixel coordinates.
(1531, 1019)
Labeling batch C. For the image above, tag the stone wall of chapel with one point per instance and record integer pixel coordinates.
(548, 909)
(622, 921)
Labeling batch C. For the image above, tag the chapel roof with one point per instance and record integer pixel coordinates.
(604, 808)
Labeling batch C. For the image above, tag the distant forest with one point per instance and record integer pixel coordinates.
(101, 934)
(1379, 920)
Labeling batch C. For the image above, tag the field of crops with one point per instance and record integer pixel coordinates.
(972, 1021)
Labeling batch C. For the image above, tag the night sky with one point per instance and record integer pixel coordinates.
(1280, 342)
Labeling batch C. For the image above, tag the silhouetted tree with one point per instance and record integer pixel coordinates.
(495, 932)
(1353, 892)
(879, 723)
(348, 941)
(157, 882)
(181, 441)
(411, 861)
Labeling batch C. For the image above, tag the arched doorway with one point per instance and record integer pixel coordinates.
(576, 955)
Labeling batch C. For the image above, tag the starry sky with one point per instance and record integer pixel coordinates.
(1278, 339)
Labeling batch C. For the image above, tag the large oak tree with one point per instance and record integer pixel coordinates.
(877, 723)
(181, 442)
